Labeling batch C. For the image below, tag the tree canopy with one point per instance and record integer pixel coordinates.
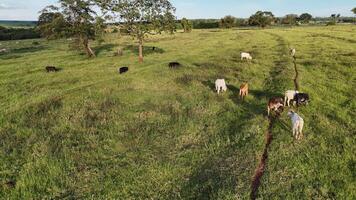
(144, 17)
(305, 17)
(227, 22)
(290, 19)
(262, 19)
(72, 18)
(187, 25)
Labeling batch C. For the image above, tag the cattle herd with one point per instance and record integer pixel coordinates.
(276, 104)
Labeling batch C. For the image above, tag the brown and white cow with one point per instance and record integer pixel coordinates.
(275, 104)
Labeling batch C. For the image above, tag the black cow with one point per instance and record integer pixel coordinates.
(301, 99)
(52, 69)
(123, 70)
(174, 64)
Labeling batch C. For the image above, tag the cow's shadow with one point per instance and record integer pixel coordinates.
(104, 48)
(210, 85)
(147, 50)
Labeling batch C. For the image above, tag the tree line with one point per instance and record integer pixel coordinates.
(18, 33)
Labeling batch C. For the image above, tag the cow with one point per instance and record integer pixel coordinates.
(275, 104)
(246, 56)
(243, 90)
(288, 96)
(220, 85)
(123, 70)
(297, 125)
(301, 99)
(3, 50)
(51, 69)
(174, 65)
(292, 52)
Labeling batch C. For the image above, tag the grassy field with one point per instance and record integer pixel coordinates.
(87, 132)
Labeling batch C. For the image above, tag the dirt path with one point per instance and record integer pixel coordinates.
(275, 83)
(256, 181)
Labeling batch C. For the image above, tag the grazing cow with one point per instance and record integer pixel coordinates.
(119, 52)
(246, 56)
(3, 50)
(174, 65)
(220, 85)
(297, 124)
(244, 90)
(275, 104)
(51, 69)
(301, 98)
(288, 96)
(292, 52)
(123, 70)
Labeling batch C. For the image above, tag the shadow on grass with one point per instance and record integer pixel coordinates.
(215, 174)
(27, 49)
(209, 84)
(260, 94)
(105, 47)
(147, 50)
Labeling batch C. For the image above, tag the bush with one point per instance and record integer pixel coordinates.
(331, 23)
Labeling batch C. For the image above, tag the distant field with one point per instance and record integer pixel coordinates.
(87, 132)
(18, 24)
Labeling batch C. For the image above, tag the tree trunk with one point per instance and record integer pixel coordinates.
(87, 48)
(140, 51)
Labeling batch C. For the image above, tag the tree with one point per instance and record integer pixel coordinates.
(227, 22)
(261, 19)
(187, 25)
(52, 25)
(334, 19)
(144, 17)
(290, 19)
(73, 18)
(169, 23)
(305, 17)
(354, 10)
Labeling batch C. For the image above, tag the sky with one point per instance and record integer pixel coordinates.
(195, 9)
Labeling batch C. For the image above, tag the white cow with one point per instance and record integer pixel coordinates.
(220, 85)
(297, 123)
(246, 56)
(288, 96)
(292, 52)
(3, 50)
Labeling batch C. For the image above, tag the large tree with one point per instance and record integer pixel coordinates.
(144, 17)
(227, 22)
(354, 10)
(72, 18)
(261, 18)
(305, 17)
(52, 25)
(290, 19)
(187, 25)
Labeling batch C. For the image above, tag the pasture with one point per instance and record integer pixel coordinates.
(87, 132)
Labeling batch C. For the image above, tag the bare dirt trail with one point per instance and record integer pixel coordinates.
(256, 181)
(276, 82)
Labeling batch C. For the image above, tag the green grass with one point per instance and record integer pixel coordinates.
(87, 132)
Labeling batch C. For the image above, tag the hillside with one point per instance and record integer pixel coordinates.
(18, 24)
(87, 132)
